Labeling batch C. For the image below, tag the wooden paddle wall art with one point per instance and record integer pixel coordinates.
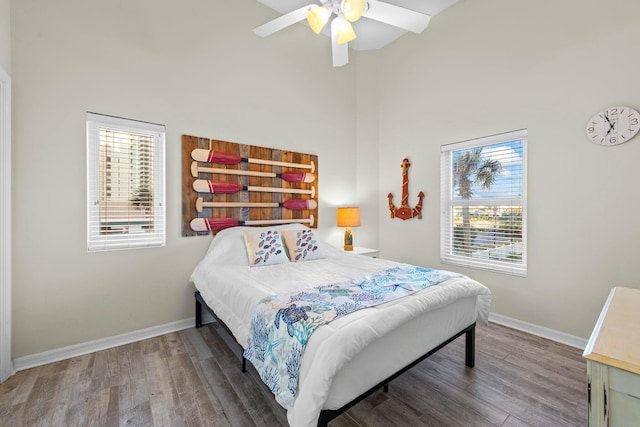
(226, 184)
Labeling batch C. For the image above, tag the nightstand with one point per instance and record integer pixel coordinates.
(373, 253)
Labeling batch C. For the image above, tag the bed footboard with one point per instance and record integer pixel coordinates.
(327, 415)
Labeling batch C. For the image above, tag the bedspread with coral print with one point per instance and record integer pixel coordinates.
(282, 324)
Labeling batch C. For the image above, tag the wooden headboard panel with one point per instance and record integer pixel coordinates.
(287, 166)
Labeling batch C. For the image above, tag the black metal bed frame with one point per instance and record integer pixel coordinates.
(327, 415)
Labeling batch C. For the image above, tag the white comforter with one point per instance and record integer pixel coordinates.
(233, 291)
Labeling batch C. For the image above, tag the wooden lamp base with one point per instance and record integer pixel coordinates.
(348, 240)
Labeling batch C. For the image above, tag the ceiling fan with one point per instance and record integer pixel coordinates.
(342, 13)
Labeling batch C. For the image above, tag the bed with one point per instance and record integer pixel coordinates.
(355, 354)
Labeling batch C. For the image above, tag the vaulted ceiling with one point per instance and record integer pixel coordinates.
(371, 34)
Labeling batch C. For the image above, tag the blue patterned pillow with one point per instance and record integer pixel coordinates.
(264, 247)
(302, 245)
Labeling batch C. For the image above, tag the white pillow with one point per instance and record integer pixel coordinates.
(229, 248)
(302, 245)
(264, 247)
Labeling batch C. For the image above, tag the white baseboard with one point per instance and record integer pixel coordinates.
(540, 331)
(56, 355)
(50, 356)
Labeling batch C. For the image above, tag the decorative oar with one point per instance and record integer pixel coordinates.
(205, 186)
(217, 224)
(224, 158)
(293, 204)
(287, 176)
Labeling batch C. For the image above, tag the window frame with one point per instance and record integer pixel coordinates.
(448, 202)
(97, 241)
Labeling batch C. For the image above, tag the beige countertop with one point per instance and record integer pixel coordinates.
(615, 340)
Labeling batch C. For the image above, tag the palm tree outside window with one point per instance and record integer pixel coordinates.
(483, 198)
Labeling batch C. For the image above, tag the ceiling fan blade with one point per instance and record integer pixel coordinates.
(397, 16)
(340, 52)
(282, 22)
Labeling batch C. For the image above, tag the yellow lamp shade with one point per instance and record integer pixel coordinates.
(317, 17)
(345, 31)
(348, 217)
(352, 9)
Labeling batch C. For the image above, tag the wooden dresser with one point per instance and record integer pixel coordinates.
(613, 361)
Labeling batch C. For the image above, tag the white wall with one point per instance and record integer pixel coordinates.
(488, 67)
(193, 65)
(366, 161)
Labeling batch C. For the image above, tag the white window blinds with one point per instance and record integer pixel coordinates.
(484, 204)
(126, 189)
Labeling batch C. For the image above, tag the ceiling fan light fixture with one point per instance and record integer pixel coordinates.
(345, 31)
(352, 9)
(317, 17)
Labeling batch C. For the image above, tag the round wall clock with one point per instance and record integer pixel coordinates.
(613, 126)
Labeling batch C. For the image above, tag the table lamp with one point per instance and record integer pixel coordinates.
(348, 217)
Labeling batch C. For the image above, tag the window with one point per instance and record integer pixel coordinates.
(125, 173)
(484, 203)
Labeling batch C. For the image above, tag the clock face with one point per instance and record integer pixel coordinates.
(613, 126)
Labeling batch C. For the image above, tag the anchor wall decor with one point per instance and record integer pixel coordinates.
(405, 211)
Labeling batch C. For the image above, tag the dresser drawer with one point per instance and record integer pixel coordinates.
(625, 382)
(624, 410)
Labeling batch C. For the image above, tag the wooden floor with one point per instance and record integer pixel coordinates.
(191, 378)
